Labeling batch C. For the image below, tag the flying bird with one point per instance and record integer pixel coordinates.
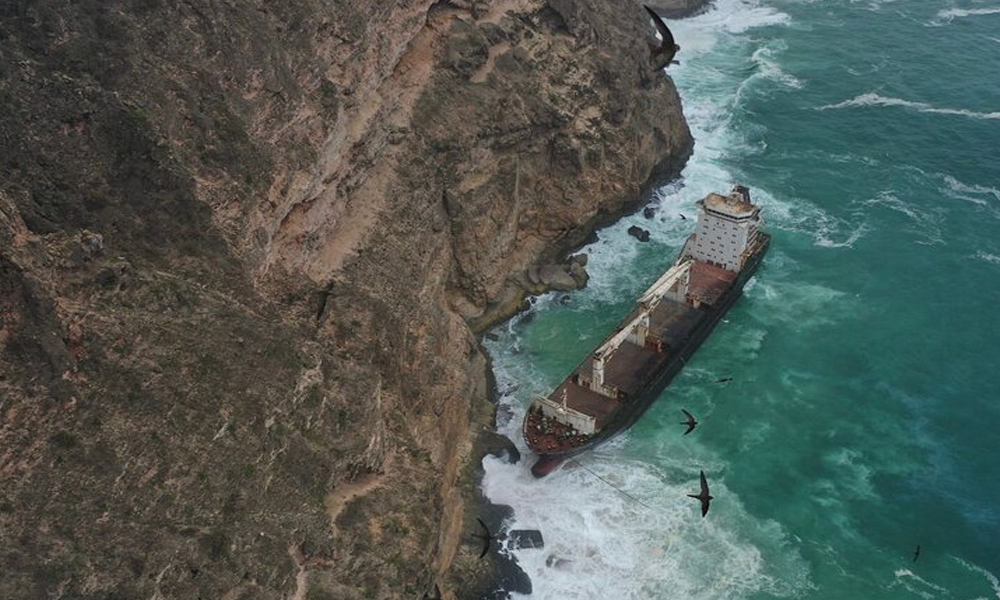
(916, 553)
(683, 218)
(724, 380)
(486, 536)
(703, 496)
(691, 422)
(663, 54)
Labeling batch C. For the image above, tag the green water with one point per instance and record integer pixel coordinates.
(864, 410)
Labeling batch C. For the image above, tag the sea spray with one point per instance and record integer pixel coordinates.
(861, 415)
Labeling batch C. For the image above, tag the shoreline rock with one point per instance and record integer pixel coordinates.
(638, 233)
(271, 347)
(485, 443)
(679, 9)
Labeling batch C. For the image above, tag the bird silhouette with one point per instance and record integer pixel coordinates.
(486, 536)
(916, 553)
(683, 218)
(662, 54)
(703, 496)
(724, 380)
(691, 422)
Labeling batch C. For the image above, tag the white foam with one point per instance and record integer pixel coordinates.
(990, 577)
(917, 584)
(875, 99)
(927, 221)
(601, 535)
(987, 257)
(947, 15)
(977, 194)
(764, 57)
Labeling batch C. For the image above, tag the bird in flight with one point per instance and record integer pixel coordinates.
(683, 218)
(663, 54)
(486, 536)
(724, 380)
(916, 553)
(691, 422)
(704, 496)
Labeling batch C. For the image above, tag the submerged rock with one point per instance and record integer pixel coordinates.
(525, 539)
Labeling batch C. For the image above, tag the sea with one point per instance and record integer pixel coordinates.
(863, 415)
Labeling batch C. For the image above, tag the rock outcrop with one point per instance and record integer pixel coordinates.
(244, 249)
(678, 9)
(638, 233)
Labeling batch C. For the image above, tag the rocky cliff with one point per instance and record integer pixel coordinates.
(244, 251)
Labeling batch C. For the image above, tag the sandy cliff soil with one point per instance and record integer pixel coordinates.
(244, 249)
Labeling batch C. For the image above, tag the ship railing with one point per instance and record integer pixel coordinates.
(582, 422)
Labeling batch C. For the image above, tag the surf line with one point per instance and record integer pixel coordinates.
(609, 484)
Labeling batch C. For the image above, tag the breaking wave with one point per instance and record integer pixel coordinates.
(874, 99)
(916, 584)
(650, 548)
(977, 194)
(947, 15)
(991, 579)
(988, 257)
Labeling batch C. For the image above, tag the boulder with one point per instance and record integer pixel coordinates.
(638, 233)
(525, 539)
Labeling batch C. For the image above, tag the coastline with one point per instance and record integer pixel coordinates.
(505, 575)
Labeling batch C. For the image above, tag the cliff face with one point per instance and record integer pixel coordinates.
(241, 248)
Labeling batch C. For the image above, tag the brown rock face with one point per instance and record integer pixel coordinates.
(678, 9)
(243, 248)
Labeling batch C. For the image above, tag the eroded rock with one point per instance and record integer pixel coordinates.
(638, 233)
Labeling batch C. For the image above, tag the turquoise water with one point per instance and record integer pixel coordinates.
(864, 410)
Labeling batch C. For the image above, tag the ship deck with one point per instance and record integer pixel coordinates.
(548, 435)
(708, 282)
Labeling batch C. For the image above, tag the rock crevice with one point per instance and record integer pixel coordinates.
(264, 379)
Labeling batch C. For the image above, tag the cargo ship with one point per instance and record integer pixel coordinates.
(607, 392)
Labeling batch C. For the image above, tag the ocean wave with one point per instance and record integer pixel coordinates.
(740, 16)
(917, 584)
(824, 239)
(874, 99)
(975, 193)
(947, 15)
(768, 67)
(646, 541)
(927, 221)
(987, 257)
(992, 579)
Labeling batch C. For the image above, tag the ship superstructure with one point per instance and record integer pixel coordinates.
(613, 386)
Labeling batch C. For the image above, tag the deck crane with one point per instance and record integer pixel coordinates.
(639, 326)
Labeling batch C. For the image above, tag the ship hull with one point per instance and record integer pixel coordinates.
(548, 462)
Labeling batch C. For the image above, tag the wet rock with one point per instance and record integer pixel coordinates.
(649, 212)
(561, 277)
(679, 9)
(491, 336)
(526, 539)
(638, 233)
(501, 447)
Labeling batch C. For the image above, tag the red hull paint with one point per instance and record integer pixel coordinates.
(545, 465)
